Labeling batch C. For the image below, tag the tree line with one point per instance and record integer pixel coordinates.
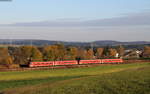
(25, 54)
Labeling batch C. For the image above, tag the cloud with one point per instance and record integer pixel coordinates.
(128, 20)
(139, 33)
(130, 27)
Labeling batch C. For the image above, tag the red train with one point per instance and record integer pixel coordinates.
(74, 62)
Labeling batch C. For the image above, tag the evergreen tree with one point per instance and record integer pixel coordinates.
(106, 52)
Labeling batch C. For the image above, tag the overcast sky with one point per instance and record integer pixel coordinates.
(75, 20)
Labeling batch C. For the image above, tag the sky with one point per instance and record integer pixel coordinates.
(75, 20)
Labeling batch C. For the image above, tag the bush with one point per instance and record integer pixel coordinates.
(14, 66)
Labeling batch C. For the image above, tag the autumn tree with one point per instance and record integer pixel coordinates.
(54, 52)
(112, 53)
(30, 53)
(120, 50)
(89, 54)
(48, 53)
(72, 53)
(16, 54)
(81, 53)
(5, 58)
(146, 52)
(26, 54)
(61, 51)
(99, 52)
(36, 55)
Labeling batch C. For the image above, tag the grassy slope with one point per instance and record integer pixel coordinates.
(125, 82)
(82, 80)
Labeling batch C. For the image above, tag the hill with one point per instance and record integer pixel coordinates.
(49, 42)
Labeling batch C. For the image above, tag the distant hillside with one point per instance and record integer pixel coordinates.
(49, 42)
(113, 43)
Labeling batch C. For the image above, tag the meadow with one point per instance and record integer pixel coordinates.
(108, 79)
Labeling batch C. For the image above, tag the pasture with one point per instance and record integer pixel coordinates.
(109, 79)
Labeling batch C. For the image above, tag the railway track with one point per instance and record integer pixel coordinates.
(72, 66)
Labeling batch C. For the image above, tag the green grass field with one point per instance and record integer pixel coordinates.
(112, 79)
